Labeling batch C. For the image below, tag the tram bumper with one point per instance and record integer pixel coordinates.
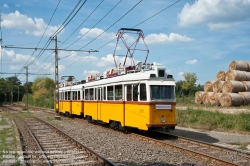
(165, 127)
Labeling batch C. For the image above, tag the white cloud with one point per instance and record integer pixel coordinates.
(113, 45)
(106, 61)
(191, 62)
(19, 21)
(168, 71)
(5, 6)
(180, 75)
(216, 14)
(163, 38)
(89, 72)
(96, 32)
(15, 62)
(17, 5)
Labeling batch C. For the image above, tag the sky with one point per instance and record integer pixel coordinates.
(201, 37)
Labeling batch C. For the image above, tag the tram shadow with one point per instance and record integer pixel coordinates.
(196, 135)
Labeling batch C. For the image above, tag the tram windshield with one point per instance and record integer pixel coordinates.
(162, 92)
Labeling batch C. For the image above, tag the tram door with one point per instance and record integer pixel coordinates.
(99, 100)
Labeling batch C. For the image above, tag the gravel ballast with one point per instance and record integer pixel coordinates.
(119, 147)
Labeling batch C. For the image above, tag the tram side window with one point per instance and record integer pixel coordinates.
(99, 93)
(135, 92)
(110, 93)
(63, 96)
(91, 94)
(78, 95)
(104, 93)
(118, 92)
(66, 95)
(87, 94)
(74, 95)
(83, 94)
(96, 94)
(129, 92)
(69, 95)
(143, 92)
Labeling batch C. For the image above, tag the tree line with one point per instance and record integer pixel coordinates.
(41, 91)
(188, 87)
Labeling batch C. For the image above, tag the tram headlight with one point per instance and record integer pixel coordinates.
(163, 120)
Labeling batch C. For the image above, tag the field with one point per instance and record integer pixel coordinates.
(231, 119)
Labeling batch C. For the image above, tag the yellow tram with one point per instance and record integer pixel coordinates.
(139, 96)
(143, 98)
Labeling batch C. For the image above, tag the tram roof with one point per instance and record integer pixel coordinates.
(140, 76)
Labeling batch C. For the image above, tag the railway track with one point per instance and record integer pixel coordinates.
(236, 156)
(212, 154)
(210, 160)
(60, 148)
(54, 147)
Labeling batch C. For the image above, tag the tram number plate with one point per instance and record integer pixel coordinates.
(163, 107)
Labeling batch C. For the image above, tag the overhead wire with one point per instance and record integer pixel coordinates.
(95, 24)
(107, 28)
(81, 25)
(66, 22)
(47, 43)
(74, 31)
(61, 28)
(116, 38)
(42, 35)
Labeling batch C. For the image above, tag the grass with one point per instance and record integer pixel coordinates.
(242, 146)
(197, 118)
(7, 147)
(3, 122)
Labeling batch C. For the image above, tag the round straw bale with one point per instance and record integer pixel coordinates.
(248, 64)
(206, 97)
(217, 86)
(247, 76)
(215, 98)
(246, 84)
(233, 87)
(221, 76)
(238, 65)
(231, 99)
(246, 97)
(198, 97)
(208, 87)
(235, 75)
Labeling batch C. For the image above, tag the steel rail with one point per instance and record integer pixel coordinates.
(33, 136)
(217, 147)
(92, 153)
(97, 157)
(39, 146)
(211, 158)
(218, 160)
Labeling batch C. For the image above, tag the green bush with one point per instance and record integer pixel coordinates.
(213, 120)
(47, 102)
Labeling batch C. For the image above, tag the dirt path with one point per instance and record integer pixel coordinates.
(232, 140)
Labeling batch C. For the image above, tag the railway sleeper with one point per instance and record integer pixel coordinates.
(61, 155)
(71, 158)
(57, 148)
